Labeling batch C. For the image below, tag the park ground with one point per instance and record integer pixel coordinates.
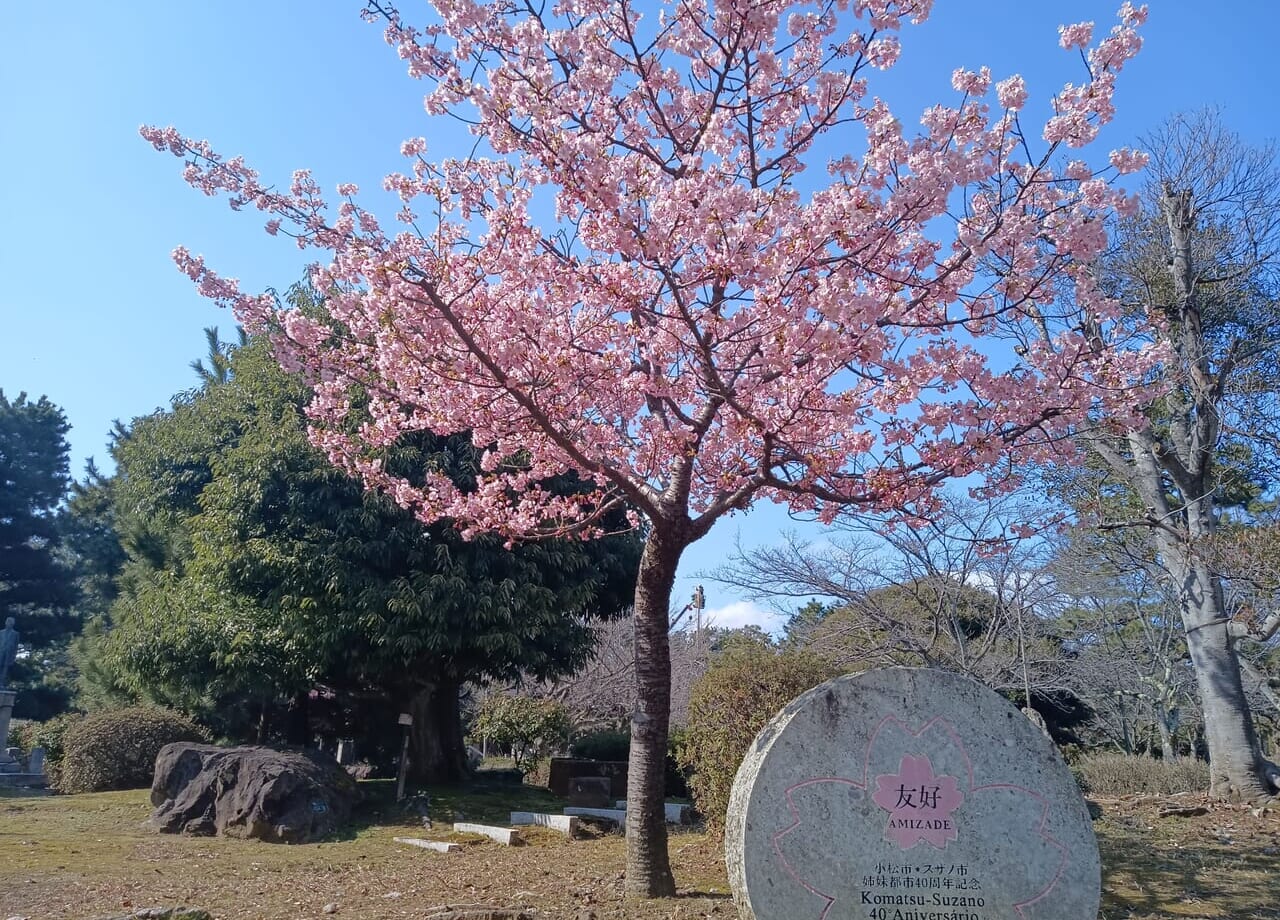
(85, 856)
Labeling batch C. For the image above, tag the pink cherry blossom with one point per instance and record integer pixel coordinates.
(628, 281)
(1128, 161)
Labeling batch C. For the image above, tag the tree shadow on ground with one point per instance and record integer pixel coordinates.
(1156, 868)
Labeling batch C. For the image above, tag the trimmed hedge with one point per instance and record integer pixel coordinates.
(117, 748)
(1130, 774)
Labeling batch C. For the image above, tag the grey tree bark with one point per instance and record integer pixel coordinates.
(1212, 227)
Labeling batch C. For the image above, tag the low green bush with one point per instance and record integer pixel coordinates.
(1134, 774)
(609, 744)
(21, 731)
(117, 748)
(743, 689)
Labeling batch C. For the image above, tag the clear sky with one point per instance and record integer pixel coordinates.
(92, 311)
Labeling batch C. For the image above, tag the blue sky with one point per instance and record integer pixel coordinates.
(93, 313)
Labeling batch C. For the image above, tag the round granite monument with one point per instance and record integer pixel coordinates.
(908, 794)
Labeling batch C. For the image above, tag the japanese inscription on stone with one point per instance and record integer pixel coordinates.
(908, 794)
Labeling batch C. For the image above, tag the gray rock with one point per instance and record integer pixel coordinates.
(257, 792)
(908, 792)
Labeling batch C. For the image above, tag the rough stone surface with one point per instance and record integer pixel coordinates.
(676, 812)
(589, 791)
(566, 824)
(439, 846)
(616, 815)
(908, 793)
(504, 835)
(258, 792)
(563, 769)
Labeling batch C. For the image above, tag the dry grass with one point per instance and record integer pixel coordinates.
(82, 856)
(1132, 774)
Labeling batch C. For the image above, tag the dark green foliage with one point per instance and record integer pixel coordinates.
(744, 688)
(33, 480)
(117, 748)
(609, 744)
(36, 584)
(256, 572)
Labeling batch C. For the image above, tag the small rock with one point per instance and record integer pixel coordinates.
(1183, 811)
(330, 908)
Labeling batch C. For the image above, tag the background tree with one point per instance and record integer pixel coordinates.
(257, 572)
(700, 322)
(956, 592)
(36, 585)
(1201, 257)
(1129, 658)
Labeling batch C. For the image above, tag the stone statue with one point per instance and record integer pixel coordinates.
(8, 650)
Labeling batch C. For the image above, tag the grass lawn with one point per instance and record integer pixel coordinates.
(88, 855)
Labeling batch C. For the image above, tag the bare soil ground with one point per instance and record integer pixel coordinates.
(85, 856)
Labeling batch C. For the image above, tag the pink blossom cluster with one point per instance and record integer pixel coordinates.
(691, 331)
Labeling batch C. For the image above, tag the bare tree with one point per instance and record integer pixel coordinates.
(1130, 660)
(1201, 257)
(957, 592)
(602, 694)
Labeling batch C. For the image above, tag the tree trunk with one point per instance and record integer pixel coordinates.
(648, 865)
(1166, 736)
(297, 729)
(1237, 769)
(437, 752)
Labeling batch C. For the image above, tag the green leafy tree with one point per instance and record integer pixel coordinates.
(258, 573)
(36, 585)
(529, 727)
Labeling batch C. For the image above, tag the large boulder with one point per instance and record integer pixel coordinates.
(258, 792)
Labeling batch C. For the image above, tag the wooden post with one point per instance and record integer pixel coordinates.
(406, 719)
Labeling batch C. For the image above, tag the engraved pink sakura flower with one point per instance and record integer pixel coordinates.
(919, 803)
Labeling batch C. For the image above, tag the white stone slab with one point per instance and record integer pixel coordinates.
(677, 812)
(908, 792)
(566, 824)
(438, 846)
(609, 814)
(501, 834)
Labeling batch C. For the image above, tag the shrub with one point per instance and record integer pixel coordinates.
(527, 726)
(49, 735)
(610, 744)
(1127, 774)
(21, 733)
(117, 748)
(615, 745)
(742, 690)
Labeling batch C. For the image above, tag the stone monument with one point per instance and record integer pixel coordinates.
(908, 794)
(8, 654)
(13, 772)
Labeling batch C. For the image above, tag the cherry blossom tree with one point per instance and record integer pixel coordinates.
(640, 277)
